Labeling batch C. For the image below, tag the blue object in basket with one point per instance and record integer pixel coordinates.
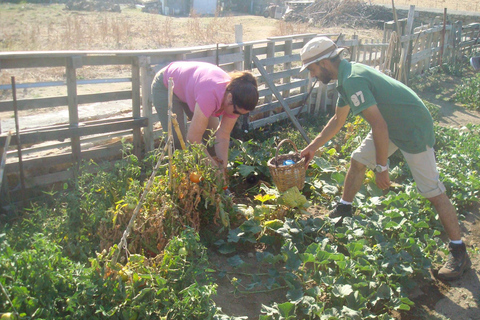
(288, 162)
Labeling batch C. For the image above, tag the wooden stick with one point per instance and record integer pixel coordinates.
(178, 131)
(19, 144)
(170, 132)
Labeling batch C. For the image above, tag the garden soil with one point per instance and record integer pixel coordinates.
(456, 300)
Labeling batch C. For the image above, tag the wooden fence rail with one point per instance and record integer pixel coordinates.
(49, 150)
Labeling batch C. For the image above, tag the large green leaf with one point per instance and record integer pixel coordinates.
(342, 290)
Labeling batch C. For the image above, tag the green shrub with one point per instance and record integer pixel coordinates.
(468, 92)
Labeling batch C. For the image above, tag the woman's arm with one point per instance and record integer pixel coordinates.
(197, 127)
(222, 139)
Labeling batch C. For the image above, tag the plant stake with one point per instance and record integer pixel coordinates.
(19, 146)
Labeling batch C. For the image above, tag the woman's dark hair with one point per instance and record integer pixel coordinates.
(243, 88)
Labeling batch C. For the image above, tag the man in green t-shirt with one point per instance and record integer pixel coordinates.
(398, 120)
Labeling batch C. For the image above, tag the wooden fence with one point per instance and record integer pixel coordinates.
(45, 154)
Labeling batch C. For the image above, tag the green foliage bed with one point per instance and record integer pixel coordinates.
(56, 256)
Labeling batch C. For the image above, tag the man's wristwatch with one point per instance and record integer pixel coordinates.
(380, 168)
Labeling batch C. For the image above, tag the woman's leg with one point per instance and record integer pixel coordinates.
(160, 102)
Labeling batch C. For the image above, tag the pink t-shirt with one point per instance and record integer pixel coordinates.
(199, 82)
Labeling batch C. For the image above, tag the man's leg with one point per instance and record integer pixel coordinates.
(353, 180)
(448, 216)
(424, 170)
(364, 156)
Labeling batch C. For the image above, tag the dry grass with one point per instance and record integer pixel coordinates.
(57, 29)
(460, 5)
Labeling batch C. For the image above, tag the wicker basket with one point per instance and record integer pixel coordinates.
(286, 177)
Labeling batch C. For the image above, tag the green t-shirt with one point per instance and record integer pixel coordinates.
(410, 125)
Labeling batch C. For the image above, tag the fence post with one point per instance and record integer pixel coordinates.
(136, 103)
(247, 57)
(354, 48)
(72, 64)
(239, 39)
(287, 65)
(442, 39)
(269, 69)
(457, 38)
(145, 84)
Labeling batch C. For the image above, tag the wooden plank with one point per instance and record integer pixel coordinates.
(3, 156)
(280, 98)
(422, 55)
(234, 58)
(42, 103)
(79, 131)
(63, 83)
(17, 62)
(282, 87)
(49, 179)
(286, 73)
(87, 143)
(64, 160)
(287, 58)
(62, 176)
(272, 119)
(266, 107)
(108, 60)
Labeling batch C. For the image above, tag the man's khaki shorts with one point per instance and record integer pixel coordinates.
(422, 165)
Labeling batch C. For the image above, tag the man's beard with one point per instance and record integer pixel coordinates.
(325, 75)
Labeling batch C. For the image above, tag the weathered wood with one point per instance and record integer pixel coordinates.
(403, 72)
(280, 99)
(266, 107)
(73, 105)
(271, 119)
(42, 103)
(17, 136)
(40, 164)
(83, 129)
(282, 74)
(146, 79)
(136, 107)
(232, 58)
(283, 87)
(353, 49)
(42, 180)
(247, 59)
(287, 58)
(3, 156)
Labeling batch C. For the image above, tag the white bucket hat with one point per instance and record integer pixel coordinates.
(475, 62)
(317, 49)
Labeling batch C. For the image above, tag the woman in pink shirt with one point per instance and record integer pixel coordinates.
(211, 99)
